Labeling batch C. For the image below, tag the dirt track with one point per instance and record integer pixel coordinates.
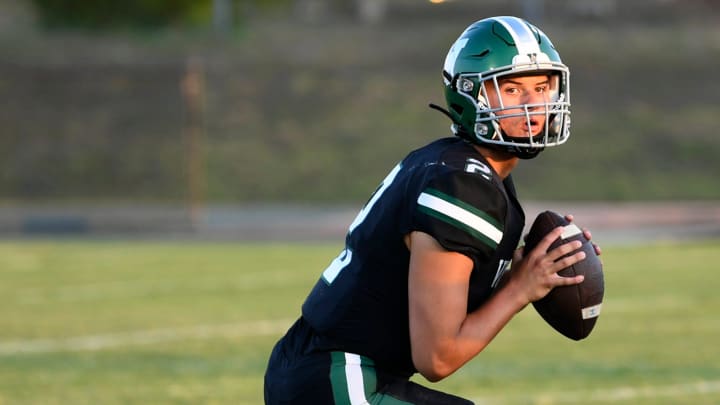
(620, 223)
(616, 223)
(611, 223)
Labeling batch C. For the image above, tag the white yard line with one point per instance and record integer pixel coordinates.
(98, 291)
(610, 395)
(279, 326)
(144, 337)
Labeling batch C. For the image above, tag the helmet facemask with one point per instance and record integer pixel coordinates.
(552, 113)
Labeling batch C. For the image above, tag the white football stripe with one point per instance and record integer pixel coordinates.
(570, 231)
(461, 215)
(591, 312)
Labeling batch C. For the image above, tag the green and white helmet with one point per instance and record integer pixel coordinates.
(484, 53)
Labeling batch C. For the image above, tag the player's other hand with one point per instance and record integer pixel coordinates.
(587, 235)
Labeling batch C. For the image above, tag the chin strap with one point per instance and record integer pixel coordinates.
(522, 153)
(457, 128)
(444, 111)
(526, 153)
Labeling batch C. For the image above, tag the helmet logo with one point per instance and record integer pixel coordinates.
(540, 59)
(481, 129)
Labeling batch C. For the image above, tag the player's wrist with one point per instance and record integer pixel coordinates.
(514, 295)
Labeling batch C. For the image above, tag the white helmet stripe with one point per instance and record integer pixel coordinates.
(524, 38)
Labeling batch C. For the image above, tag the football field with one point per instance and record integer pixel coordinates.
(168, 322)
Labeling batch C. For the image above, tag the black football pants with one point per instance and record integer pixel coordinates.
(295, 376)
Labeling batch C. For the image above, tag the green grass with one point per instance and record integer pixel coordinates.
(120, 322)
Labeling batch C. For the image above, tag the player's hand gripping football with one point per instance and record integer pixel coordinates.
(534, 275)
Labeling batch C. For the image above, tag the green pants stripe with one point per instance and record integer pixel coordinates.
(354, 381)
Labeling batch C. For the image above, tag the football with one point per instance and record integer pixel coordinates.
(571, 310)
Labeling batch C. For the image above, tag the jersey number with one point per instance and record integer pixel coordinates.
(476, 166)
(344, 258)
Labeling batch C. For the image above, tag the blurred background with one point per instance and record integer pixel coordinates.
(277, 118)
(130, 130)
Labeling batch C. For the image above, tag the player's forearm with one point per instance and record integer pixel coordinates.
(444, 356)
(482, 325)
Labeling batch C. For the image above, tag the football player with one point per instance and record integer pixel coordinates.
(420, 286)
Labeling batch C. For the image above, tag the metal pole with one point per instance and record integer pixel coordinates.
(222, 16)
(192, 86)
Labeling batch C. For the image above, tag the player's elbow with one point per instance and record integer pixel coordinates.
(432, 367)
(433, 376)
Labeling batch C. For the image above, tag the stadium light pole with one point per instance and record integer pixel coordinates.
(192, 87)
(222, 17)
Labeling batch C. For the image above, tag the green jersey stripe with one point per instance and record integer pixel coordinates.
(460, 216)
(460, 203)
(459, 225)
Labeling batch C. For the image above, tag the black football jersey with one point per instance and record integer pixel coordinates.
(445, 189)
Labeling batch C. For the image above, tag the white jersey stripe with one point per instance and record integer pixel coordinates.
(354, 376)
(525, 40)
(461, 215)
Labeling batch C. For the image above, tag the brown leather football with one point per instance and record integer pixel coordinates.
(571, 310)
